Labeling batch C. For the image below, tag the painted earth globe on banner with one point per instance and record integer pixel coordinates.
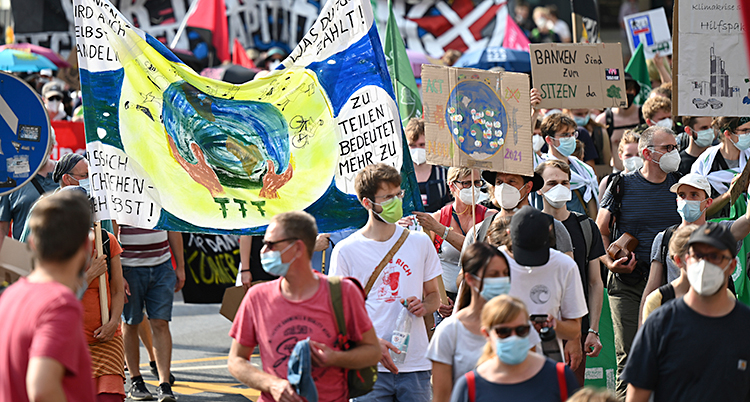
(477, 119)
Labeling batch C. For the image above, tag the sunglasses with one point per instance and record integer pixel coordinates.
(55, 98)
(271, 244)
(504, 332)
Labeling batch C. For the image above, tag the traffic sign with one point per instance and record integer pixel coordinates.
(24, 133)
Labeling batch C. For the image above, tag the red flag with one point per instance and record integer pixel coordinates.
(514, 37)
(239, 56)
(70, 137)
(211, 15)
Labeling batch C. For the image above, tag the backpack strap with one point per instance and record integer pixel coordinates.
(588, 233)
(609, 121)
(37, 185)
(337, 305)
(617, 189)
(445, 220)
(667, 293)
(384, 261)
(664, 254)
(561, 381)
(472, 385)
(484, 227)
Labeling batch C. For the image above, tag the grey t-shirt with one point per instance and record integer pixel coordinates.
(673, 271)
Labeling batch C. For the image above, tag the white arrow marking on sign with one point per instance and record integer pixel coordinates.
(7, 114)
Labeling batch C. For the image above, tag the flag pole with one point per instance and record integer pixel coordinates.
(103, 277)
(183, 24)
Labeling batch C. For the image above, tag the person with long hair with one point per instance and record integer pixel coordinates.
(506, 370)
(457, 344)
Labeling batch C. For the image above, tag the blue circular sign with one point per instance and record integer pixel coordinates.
(24, 133)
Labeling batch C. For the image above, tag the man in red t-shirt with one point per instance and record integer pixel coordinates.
(43, 352)
(276, 315)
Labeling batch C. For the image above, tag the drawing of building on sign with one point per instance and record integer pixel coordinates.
(719, 79)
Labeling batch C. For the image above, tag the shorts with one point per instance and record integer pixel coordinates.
(152, 287)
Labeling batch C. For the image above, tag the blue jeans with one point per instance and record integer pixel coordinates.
(152, 287)
(404, 387)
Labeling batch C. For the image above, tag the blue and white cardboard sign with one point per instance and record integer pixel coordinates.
(651, 29)
(24, 133)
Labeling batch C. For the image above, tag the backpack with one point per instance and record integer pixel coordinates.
(360, 381)
(664, 253)
(560, 367)
(447, 213)
(484, 227)
(617, 188)
(588, 233)
(667, 293)
(609, 121)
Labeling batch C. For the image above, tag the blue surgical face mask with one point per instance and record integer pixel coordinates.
(271, 262)
(704, 138)
(86, 185)
(567, 146)
(582, 121)
(743, 142)
(689, 210)
(493, 287)
(512, 350)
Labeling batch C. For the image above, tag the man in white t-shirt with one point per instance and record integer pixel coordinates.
(411, 275)
(546, 280)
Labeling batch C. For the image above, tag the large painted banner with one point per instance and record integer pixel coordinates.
(173, 150)
(712, 69)
(428, 26)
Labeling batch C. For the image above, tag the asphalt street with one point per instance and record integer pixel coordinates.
(199, 356)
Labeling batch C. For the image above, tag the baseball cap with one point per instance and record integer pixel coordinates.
(529, 230)
(52, 88)
(693, 180)
(489, 176)
(713, 234)
(275, 51)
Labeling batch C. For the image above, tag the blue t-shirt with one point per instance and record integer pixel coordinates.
(685, 356)
(16, 206)
(540, 388)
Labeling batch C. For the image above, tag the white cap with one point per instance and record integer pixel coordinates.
(693, 180)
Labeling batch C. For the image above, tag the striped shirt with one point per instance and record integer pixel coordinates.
(143, 247)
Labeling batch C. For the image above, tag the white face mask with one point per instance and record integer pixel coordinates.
(507, 196)
(670, 161)
(633, 163)
(272, 65)
(537, 142)
(557, 196)
(666, 123)
(53, 106)
(465, 195)
(418, 155)
(705, 278)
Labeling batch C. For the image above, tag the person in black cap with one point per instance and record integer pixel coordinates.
(620, 119)
(695, 348)
(546, 280)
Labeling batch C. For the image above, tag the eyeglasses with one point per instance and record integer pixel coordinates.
(54, 98)
(668, 147)
(271, 244)
(467, 183)
(82, 176)
(742, 132)
(573, 134)
(713, 258)
(387, 197)
(504, 332)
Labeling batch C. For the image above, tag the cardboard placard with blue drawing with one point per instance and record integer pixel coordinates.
(651, 29)
(477, 118)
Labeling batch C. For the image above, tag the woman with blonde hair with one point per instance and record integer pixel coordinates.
(506, 370)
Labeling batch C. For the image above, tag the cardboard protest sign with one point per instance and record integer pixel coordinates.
(172, 150)
(578, 75)
(477, 118)
(15, 260)
(651, 29)
(711, 67)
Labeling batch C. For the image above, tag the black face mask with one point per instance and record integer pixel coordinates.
(631, 98)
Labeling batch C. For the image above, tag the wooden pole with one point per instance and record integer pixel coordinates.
(473, 206)
(102, 277)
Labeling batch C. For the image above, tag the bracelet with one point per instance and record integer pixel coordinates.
(591, 331)
(244, 270)
(447, 230)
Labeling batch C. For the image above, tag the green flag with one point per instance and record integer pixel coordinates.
(639, 70)
(402, 76)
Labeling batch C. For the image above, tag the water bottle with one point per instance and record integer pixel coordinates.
(400, 338)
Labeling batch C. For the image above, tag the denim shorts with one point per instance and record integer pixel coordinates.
(152, 287)
(412, 387)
